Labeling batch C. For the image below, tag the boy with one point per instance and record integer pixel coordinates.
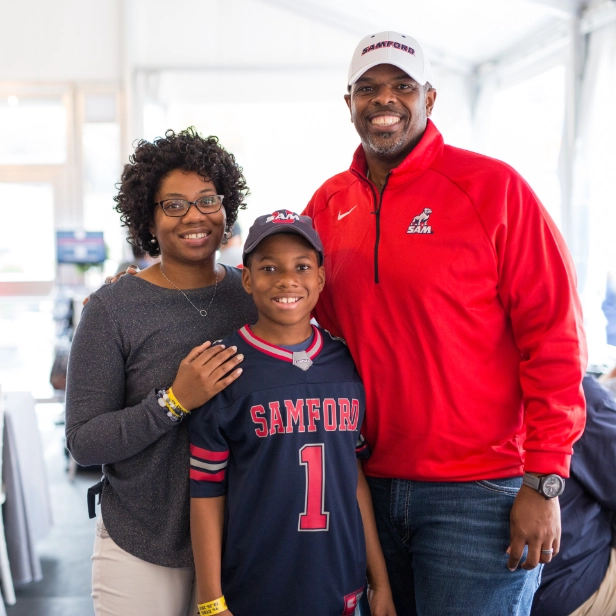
(273, 456)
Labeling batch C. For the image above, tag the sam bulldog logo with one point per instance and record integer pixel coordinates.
(419, 224)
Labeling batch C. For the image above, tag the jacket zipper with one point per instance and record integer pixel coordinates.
(378, 226)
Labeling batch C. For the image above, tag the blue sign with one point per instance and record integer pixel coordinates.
(81, 247)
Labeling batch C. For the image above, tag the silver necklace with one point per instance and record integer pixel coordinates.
(203, 312)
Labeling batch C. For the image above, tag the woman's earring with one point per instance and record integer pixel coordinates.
(153, 240)
(227, 234)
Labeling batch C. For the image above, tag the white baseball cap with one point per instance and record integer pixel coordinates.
(401, 50)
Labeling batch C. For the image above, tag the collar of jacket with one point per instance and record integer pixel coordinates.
(418, 160)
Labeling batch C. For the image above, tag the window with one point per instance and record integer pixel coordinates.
(526, 128)
(33, 131)
(27, 253)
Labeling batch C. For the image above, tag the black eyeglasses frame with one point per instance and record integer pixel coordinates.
(190, 203)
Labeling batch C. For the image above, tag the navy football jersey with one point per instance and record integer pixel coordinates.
(281, 443)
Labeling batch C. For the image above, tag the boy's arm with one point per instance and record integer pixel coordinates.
(206, 526)
(379, 591)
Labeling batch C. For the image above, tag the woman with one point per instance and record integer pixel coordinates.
(126, 396)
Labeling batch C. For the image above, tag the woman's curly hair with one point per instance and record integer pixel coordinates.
(151, 162)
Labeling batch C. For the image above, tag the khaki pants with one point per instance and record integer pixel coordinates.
(603, 602)
(124, 585)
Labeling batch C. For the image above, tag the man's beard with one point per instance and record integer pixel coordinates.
(384, 145)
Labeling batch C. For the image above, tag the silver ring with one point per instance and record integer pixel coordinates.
(547, 551)
(108, 279)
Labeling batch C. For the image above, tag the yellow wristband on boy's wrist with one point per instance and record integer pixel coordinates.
(212, 607)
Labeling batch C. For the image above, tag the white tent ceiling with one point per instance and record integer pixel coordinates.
(173, 34)
(459, 35)
(465, 36)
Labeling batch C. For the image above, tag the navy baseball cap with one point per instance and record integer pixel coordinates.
(282, 221)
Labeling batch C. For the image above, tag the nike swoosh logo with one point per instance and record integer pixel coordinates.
(341, 216)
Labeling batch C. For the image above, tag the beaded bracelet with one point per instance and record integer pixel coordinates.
(170, 403)
(172, 413)
(167, 400)
(212, 607)
(179, 410)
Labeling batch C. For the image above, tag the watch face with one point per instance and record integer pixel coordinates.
(552, 486)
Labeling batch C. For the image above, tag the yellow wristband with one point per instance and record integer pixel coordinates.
(176, 401)
(212, 607)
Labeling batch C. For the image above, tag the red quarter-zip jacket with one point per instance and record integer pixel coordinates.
(457, 297)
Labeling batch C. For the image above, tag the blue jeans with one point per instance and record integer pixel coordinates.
(445, 547)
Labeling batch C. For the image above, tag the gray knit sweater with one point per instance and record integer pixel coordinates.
(130, 341)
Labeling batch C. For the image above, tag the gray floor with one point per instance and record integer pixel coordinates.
(65, 552)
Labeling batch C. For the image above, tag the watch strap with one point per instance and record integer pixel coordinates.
(532, 481)
(539, 484)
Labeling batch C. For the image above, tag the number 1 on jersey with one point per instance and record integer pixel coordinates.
(314, 517)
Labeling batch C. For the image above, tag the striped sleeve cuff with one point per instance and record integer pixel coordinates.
(362, 449)
(207, 467)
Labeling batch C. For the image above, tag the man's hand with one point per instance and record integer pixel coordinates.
(535, 521)
(201, 374)
(131, 269)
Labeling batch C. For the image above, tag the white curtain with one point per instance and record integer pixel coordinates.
(594, 192)
(519, 119)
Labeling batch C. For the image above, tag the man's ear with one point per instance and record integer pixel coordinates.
(347, 100)
(246, 280)
(430, 100)
(321, 278)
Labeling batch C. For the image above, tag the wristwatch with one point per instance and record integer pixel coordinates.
(548, 486)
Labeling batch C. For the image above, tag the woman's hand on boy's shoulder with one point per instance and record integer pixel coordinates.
(204, 372)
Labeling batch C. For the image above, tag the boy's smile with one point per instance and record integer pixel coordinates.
(284, 279)
(288, 300)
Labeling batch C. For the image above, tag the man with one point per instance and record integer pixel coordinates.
(456, 295)
(581, 580)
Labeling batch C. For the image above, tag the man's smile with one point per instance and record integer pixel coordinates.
(385, 120)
